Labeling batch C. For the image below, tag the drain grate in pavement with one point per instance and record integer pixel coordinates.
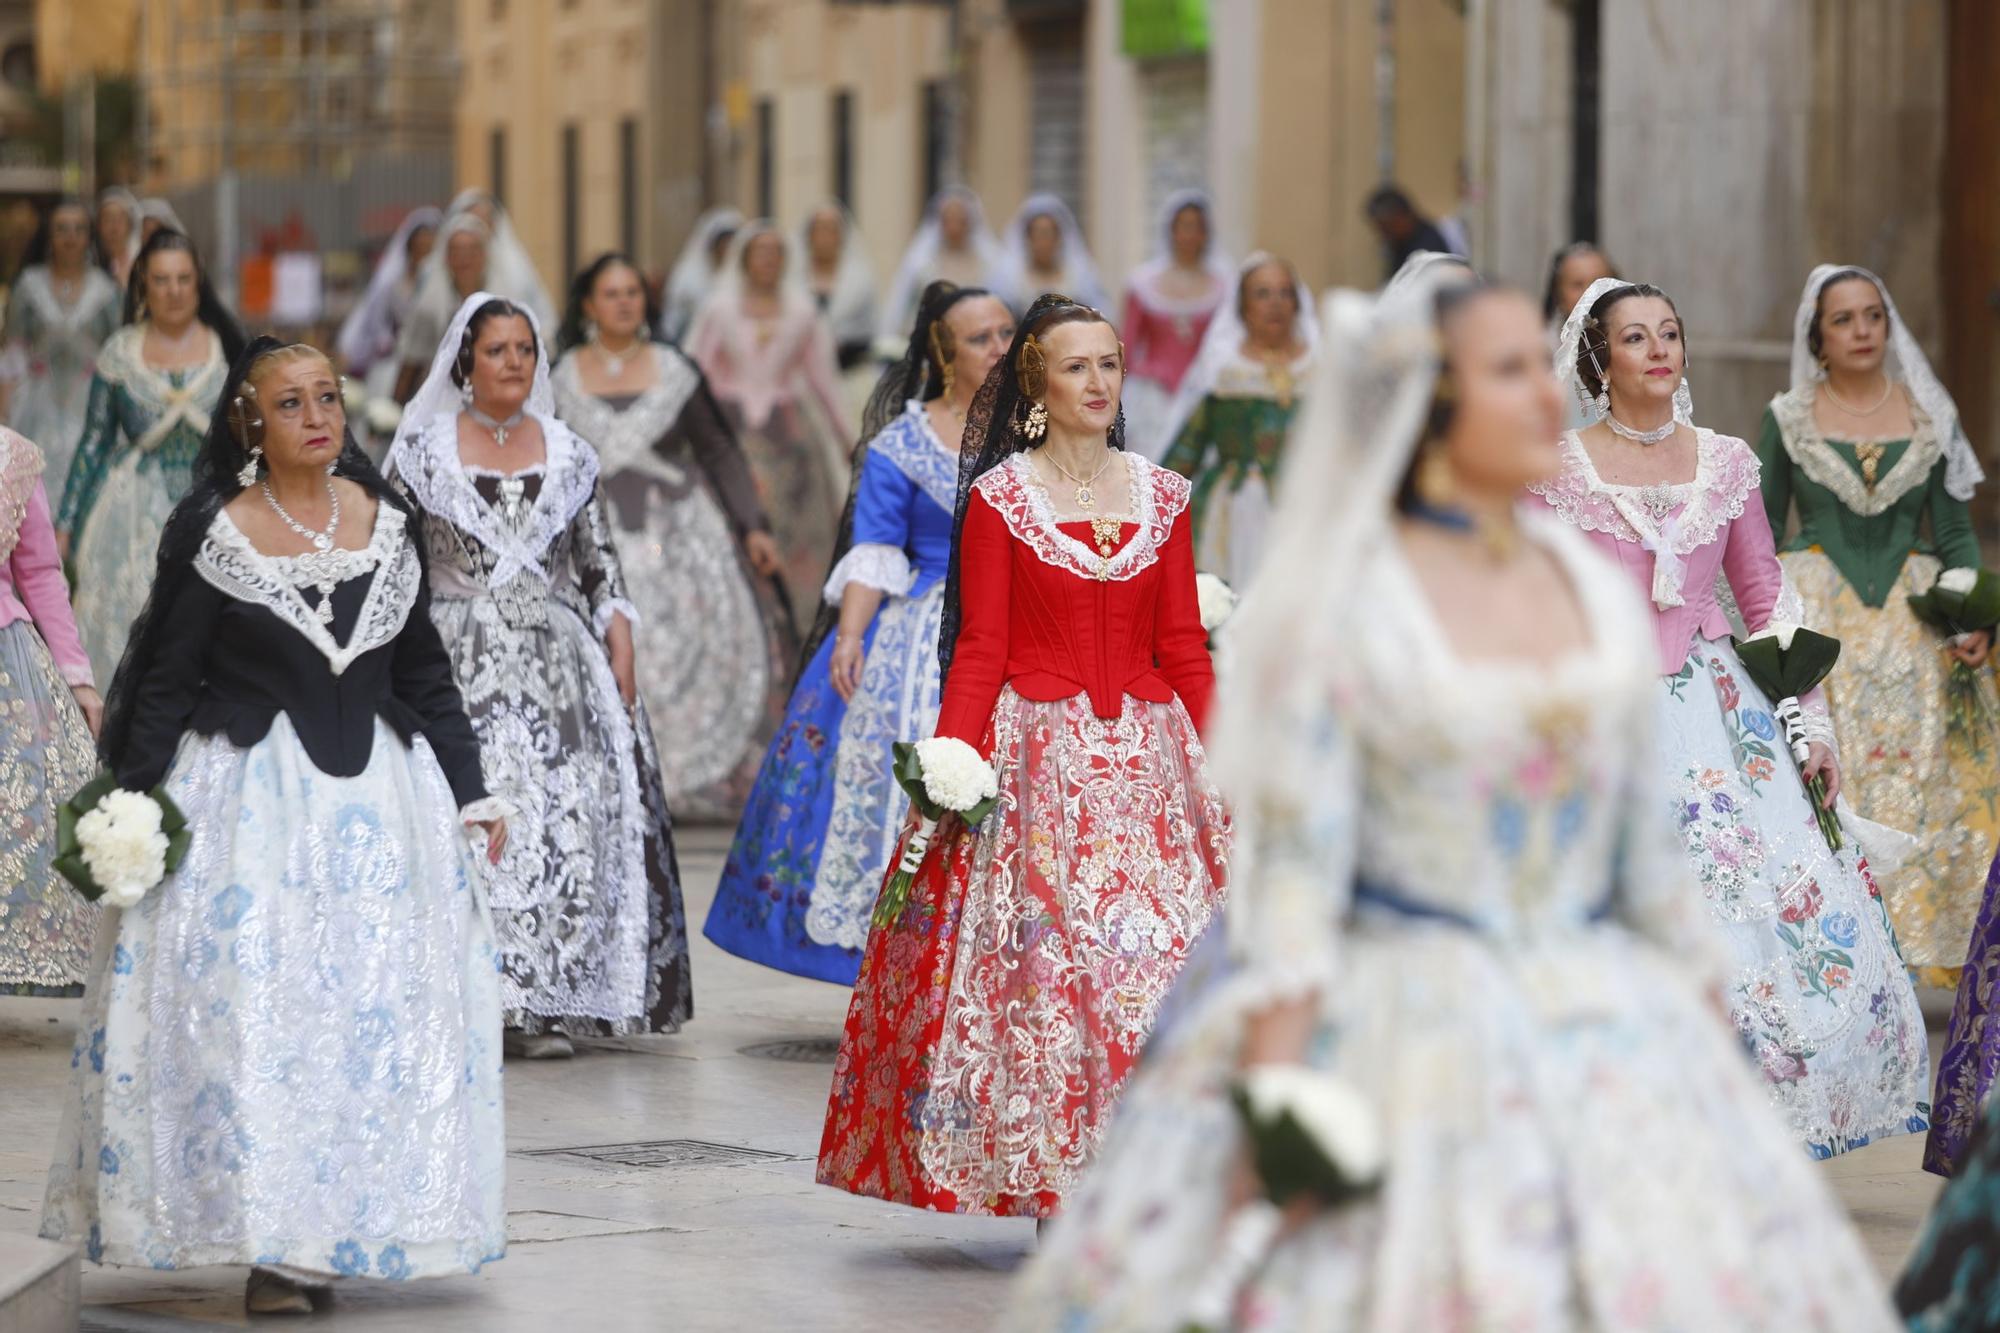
(662, 1154)
(797, 1051)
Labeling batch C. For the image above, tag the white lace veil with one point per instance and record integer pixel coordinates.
(125, 199)
(1572, 339)
(1220, 346)
(509, 270)
(725, 293)
(1419, 263)
(693, 272)
(1906, 362)
(369, 332)
(162, 212)
(850, 306)
(1363, 418)
(899, 309)
(1146, 277)
(1079, 270)
(437, 396)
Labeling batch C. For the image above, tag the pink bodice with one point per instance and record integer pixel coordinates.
(1162, 337)
(760, 364)
(32, 586)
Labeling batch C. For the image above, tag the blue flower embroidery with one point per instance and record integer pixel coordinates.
(1761, 725)
(94, 1244)
(1723, 802)
(107, 1162)
(1841, 928)
(226, 909)
(349, 1259)
(393, 1264)
(121, 961)
(97, 1051)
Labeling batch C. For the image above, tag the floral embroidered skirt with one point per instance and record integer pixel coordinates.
(1920, 752)
(996, 1019)
(794, 459)
(1585, 1157)
(1819, 993)
(117, 551)
(45, 755)
(289, 1051)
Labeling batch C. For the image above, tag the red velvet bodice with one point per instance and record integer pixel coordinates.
(1042, 610)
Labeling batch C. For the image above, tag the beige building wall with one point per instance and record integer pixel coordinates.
(78, 37)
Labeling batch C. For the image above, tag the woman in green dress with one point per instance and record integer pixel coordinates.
(149, 402)
(1227, 428)
(1866, 446)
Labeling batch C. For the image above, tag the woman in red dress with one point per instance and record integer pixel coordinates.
(999, 1012)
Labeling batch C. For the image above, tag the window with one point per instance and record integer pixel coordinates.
(628, 186)
(767, 155)
(496, 163)
(937, 137)
(843, 148)
(572, 187)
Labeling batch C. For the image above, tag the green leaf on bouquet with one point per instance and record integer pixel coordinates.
(1925, 608)
(909, 771)
(69, 862)
(1981, 608)
(1786, 673)
(1290, 1161)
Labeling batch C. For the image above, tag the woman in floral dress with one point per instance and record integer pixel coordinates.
(1818, 989)
(1000, 1010)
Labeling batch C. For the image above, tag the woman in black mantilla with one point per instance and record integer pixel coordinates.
(289, 1052)
(532, 605)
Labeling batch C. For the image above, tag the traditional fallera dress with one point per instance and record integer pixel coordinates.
(826, 813)
(1860, 552)
(45, 748)
(140, 438)
(714, 643)
(779, 385)
(586, 899)
(996, 1018)
(1231, 448)
(50, 354)
(1477, 890)
(290, 1049)
(1817, 989)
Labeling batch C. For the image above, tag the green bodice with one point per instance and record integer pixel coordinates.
(1228, 439)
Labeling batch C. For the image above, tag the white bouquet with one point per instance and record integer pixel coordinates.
(116, 844)
(1218, 602)
(943, 776)
(382, 416)
(1309, 1135)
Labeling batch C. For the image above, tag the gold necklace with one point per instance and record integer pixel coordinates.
(1084, 499)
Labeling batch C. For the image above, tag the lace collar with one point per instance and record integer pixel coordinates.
(1809, 451)
(1725, 477)
(228, 563)
(427, 463)
(912, 444)
(37, 285)
(626, 440)
(122, 361)
(1158, 498)
(20, 473)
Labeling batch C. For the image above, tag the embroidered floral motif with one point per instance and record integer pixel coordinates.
(625, 438)
(1158, 498)
(20, 473)
(1812, 455)
(1725, 479)
(911, 444)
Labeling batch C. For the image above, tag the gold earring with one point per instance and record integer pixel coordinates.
(1437, 486)
(1037, 424)
(949, 374)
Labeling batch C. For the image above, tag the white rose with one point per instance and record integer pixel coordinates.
(354, 396)
(1217, 598)
(383, 416)
(1781, 630)
(123, 846)
(1960, 581)
(956, 776)
(1340, 1120)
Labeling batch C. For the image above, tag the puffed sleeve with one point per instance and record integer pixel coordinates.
(979, 658)
(421, 677)
(38, 579)
(92, 457)
(1180, 645)
(1775, 477)
(718, 453)
(168, 686)
(598, 572)
(879, 556)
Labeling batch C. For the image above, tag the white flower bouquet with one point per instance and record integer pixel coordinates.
(118, 845)
(1218, 602)
(1310, 1136)
(1785, 661)
(943, 776)
(382, 416)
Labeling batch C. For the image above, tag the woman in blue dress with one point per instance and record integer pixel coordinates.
(816, 836)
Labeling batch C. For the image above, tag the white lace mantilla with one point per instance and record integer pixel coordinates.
(1820, 461)
(625, 441)
(913, 446)
(1158, 498)
(228, 563)
(37, 285)
(122, 361)
(428, 464)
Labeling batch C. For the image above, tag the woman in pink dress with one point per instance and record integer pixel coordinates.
(1817, 987)
(770, 360)
(51, 712)
(1169, 301)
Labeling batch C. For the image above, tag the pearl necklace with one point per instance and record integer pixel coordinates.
(614, 362)
(318, 564)
(498, 429)
(1888, 388)
(1624, 431)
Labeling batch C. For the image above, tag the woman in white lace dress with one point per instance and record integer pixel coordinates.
(1817, 985)
(1456, 892)
(60, 311)
(289, 1051)
(531, 602)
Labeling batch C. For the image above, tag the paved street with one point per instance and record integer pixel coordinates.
(701, 1213)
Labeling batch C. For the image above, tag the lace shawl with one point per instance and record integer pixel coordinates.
(1806, 445)
(1158, 498)
(122, 361)
(625, 440)
(20, 473)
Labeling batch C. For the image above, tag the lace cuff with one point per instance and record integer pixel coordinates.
(872, 565)
(613, 606)
(485, 808)
(1816, 721)
(78, 675)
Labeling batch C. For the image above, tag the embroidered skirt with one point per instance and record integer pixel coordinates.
(45, 756)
